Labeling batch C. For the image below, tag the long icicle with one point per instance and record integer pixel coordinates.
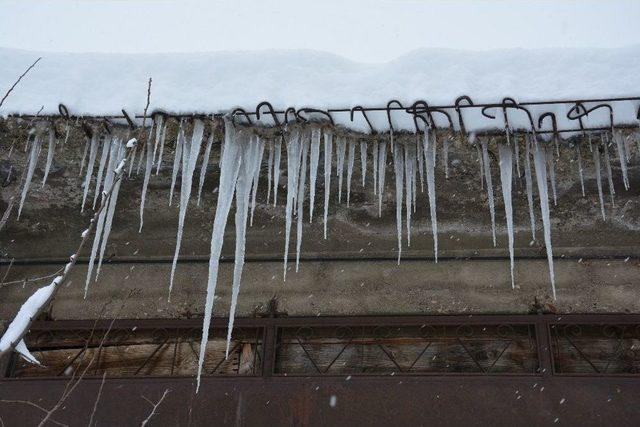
(205, 164)
(108, 179)
(539, 158)
(363, 161)
(189, 160)
(350, 162)
(398, 168)
(375, 167)
(229, 168)
(506, 180)
(177, 160)
(429, 150)
(313, 169)
(256, 175)
(161, 150)
(607, 165)
(341, 148)
(293, 168)
(89, 172)
(111, 209)
(106, 148)
(580, 170)
(246, 180)
(382, 171)
(622, 156)
(276, 168)
(529, 185)
(596, 164)
(489, 182)
(551, 164)
(302, 182)
(147, 171)
(159, 127)
(328, 146)
(33, 160)
(409, 159)
(51, 149)
(269, 171)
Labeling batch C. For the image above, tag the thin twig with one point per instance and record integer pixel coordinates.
(34, 405)
(29, 280)
(6, 95)
(6, 273)
(95, 405)
(155, 406)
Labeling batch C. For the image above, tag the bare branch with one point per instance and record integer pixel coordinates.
(95, 405)
(6, 95)
(155, 406)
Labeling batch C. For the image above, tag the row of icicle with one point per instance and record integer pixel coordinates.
(240, 166)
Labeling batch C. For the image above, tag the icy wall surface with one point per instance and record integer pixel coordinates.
(214, 82)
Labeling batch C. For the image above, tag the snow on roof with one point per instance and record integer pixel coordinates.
(214, 82)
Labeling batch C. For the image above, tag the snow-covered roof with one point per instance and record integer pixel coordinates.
(215, 82)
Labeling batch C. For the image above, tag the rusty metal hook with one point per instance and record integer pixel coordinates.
(458, 110)
(425, 109)
(554, 122)
(240, 111)
(271, 111)
(313, 110)
(364, 113)
(63, 110)
(391, 128)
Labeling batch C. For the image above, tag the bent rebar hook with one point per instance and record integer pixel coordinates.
(391, 128)
(364, 113)
(240, 111)
(313, 110)
(271, 111)
(458, 110)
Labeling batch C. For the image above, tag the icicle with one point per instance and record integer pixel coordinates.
(398, 167)
(189, 160)
(489, 182)
(143, 155)
(607, 165)
(302, 182)
(177, 159)
(84, 156)
(108, 180)
(313, 169)
(596, 163)
(256, 175)
(429, 150)
(203, 167)
(230, 166)
(623, 159)
(580, 170)
(529, 185)
(363, 160)
(33, 161)
(161, 151)
(350, 163)
(516, 147)
(420, 157)
(269, 172)
(382, 171)
(51, 150)
(293, 168)
(106, 147)
(539, 158)
(481, 164)
(147, 175)
(506, 180)
(328, 146)
(159, 127)
(276, 169)
(445, 157)
(67, 129)
(409, 159)
(341, 146)
(111, 209)
(251, 156)
(551, 164)
(87, 179)
(375, 167)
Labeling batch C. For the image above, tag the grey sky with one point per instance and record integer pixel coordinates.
(361, 30)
